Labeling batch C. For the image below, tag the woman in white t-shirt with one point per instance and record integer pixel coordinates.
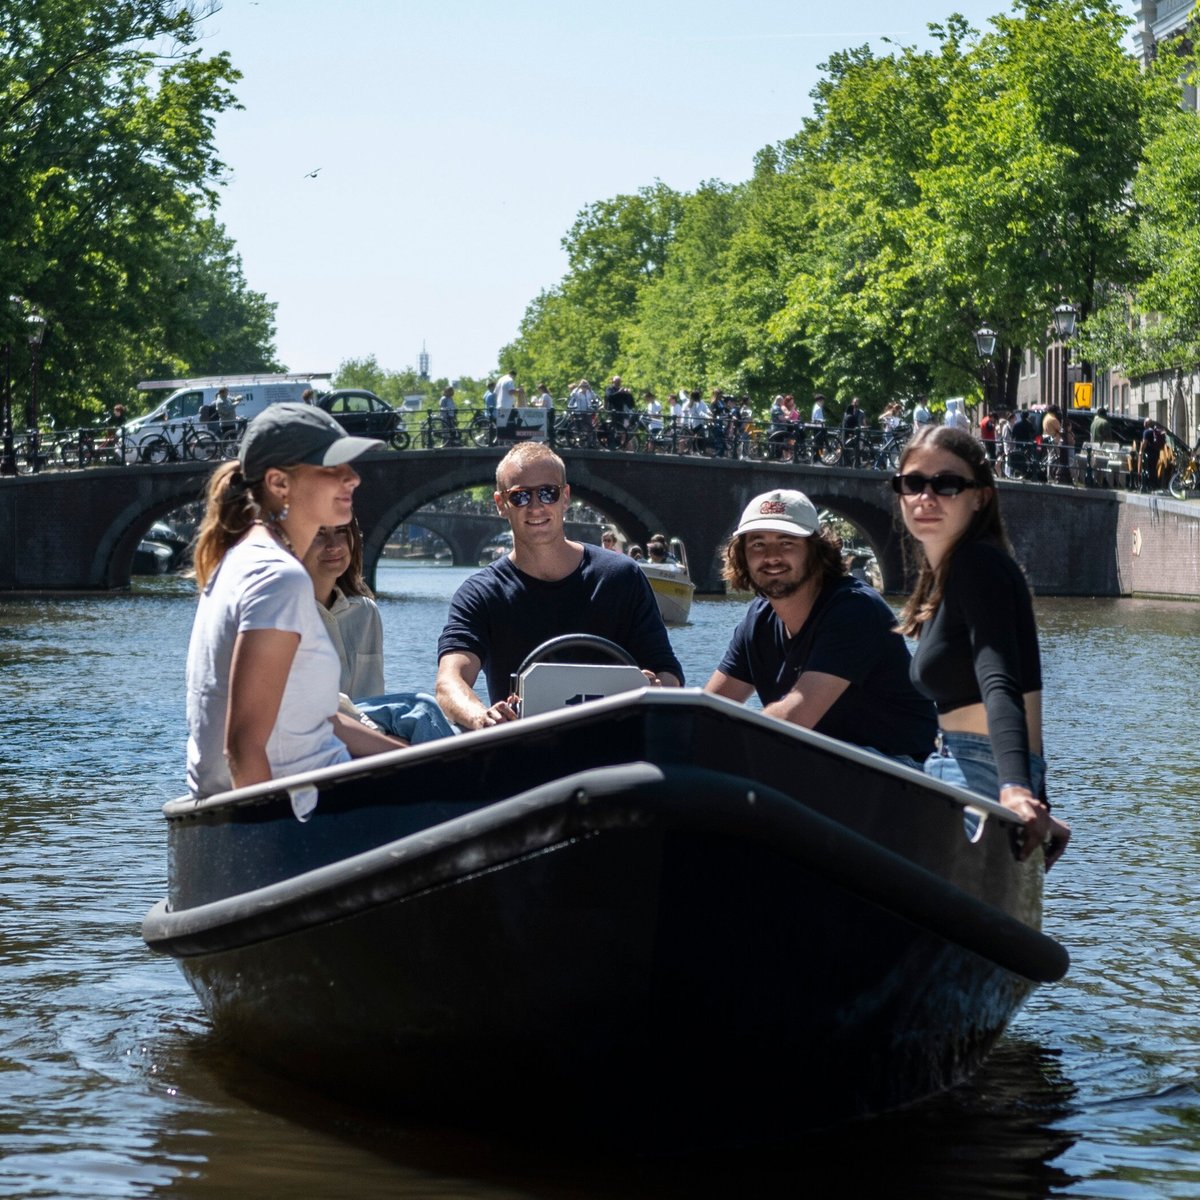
(262, 674)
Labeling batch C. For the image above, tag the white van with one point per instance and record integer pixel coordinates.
(249, 394)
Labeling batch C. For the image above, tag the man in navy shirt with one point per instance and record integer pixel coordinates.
(546, 586)
(817, 645)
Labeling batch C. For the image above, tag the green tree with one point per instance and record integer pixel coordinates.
(108, 178)
(1027, 196)
(615, 249)
(985, 180)
(1152, 321)
(673, 337)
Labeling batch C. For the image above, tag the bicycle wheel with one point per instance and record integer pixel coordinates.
(830, 450)
(156, 450)
(75, 452)
(202, 447)
(704, 443)
(1182, 482)
(400, 439)
(482, 431)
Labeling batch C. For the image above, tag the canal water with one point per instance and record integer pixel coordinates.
(112, 1085)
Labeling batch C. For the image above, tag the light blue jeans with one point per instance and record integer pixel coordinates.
(413, 716)
(966, 759)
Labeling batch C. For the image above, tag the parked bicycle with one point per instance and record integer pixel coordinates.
(191, 443)
(29, 454)
(229, 436)
(887, 457)
(1027, 460)
(440, 430)
(576, 429)
(1186, 477)
(82, 448)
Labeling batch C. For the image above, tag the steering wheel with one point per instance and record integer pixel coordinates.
(556, 648)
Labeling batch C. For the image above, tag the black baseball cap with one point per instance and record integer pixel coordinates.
(287, 434)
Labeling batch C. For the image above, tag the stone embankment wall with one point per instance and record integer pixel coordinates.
(1158, 547)
(1107, 544)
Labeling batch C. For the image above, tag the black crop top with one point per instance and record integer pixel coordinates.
(981, 645)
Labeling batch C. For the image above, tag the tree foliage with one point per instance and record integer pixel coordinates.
(108, 181)
(615, 250)
(1153, 323)
(986, 178)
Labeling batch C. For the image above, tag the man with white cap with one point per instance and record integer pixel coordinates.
(817, 645)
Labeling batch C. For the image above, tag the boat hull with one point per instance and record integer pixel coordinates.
(673, 591)
(658, 945)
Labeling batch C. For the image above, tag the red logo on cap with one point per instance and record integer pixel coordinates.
(772, 508)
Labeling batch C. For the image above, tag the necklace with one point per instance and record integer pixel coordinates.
(273, 527)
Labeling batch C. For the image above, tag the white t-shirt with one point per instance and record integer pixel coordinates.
(356, 630)
(259, 585)
(506, 394)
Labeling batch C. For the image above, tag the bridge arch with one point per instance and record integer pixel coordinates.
(78, 530)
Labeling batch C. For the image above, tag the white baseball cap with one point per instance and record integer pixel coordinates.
(780, 511)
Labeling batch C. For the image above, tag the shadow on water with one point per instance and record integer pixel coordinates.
(996, 1137)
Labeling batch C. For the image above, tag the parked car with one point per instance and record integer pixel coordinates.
(363, 413)
(1125, 429)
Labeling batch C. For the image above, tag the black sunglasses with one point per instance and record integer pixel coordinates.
(944, 483)
(547, 493)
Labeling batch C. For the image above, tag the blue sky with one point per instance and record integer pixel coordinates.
(454, 142)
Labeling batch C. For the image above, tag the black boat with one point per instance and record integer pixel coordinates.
(655, 914)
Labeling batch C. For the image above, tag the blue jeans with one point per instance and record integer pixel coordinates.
(414, 716)
(966, 759)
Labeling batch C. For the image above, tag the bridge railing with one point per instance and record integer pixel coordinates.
(735, 436)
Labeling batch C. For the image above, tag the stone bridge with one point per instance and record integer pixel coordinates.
(466, 533)
(78, 531)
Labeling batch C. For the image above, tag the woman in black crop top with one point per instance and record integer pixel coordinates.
(977, 648)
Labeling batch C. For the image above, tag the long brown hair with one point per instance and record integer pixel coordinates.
(825, 560)
(986, 525)
(351, 580)
(231, 506)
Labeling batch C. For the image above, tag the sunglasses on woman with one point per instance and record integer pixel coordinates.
(944, 483)
(547, 493)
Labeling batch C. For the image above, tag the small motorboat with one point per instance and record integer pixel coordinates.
(152, 558)
(656, 914)
(672, 584)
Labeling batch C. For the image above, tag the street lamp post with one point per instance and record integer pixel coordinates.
(1064, 327)
(35, 325)
(985, 347)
